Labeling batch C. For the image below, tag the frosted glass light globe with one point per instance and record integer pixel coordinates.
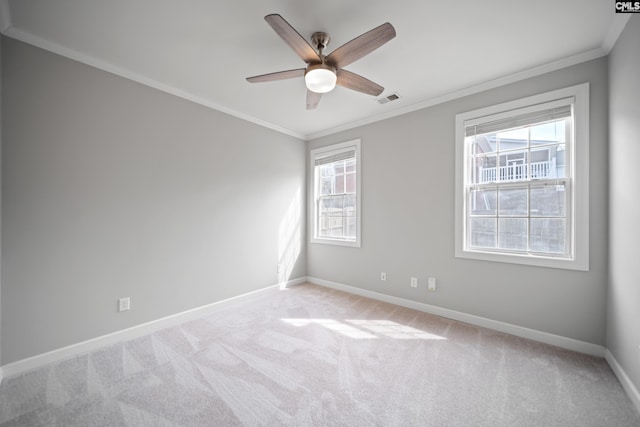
(320, 78)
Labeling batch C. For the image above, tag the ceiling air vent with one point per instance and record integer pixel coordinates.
(389, 98)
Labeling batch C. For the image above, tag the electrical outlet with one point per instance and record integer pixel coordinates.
(124, 304)
(414, 282)
(383, 276)
(279, 268)
(431, 284)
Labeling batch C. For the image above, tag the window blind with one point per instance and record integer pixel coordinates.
(347, 153)
(512, 122)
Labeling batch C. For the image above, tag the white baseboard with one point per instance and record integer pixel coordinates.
(53, 356)
(624, 379)
(24, 365)
(532, 334)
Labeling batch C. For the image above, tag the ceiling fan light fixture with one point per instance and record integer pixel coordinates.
(320, 78)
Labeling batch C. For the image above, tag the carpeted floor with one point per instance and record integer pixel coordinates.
(310, 356)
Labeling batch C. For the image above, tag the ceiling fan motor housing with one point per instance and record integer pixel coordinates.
(320, 40)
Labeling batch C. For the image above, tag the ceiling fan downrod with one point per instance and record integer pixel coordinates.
(320, 40)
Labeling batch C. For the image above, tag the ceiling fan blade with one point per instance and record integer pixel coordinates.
(357, 82)
(313, 98)
(292, 38)
(361, 45)
(280, 75)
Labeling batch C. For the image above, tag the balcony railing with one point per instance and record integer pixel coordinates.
(515, 172)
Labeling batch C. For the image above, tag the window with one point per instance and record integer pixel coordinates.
(336, 194)
(522, 181)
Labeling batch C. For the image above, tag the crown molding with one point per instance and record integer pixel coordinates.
(56, 48)
(471, 90)
(618, 24)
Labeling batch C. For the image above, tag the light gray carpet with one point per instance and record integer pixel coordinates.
(314, 356)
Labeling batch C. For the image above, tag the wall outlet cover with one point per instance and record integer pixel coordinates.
(124, 304)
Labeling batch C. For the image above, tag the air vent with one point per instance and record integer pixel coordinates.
(389, 98)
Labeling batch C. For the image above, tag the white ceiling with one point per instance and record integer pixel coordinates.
(202, 50)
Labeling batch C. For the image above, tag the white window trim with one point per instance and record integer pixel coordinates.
(579, 190)
(313, 226)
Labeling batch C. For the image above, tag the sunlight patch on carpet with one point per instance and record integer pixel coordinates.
(368, 329)
(394, 330)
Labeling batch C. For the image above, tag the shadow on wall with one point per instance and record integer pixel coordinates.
(289, 239)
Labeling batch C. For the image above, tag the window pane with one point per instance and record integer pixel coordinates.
(329, 225)
(484, 169)
(326, 185)
(351, 165)
(483, 202)
(558, 162)
(349, 205)
(548, 132)
(337, 226)
(326, 170)
(483, 232)
(513, 166)
(512, 234)
(351, 227)
(548, 235)
(482, 144)
(333, 179)
(513, 139)
(548, 201)
(541, 162)
(339, 184)
(331, 206)
(513, 201)
(337, 216)
(351, 183)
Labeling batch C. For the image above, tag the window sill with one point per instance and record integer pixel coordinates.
(531, 260)
(335, 242)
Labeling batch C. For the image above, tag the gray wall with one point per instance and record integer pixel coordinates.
(1, 39)
(408, 220)
(623, 302)
(113, 189)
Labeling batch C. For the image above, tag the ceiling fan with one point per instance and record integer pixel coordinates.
(323, 72)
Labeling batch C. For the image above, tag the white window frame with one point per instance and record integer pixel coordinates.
(319, 153)
(578, 181)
